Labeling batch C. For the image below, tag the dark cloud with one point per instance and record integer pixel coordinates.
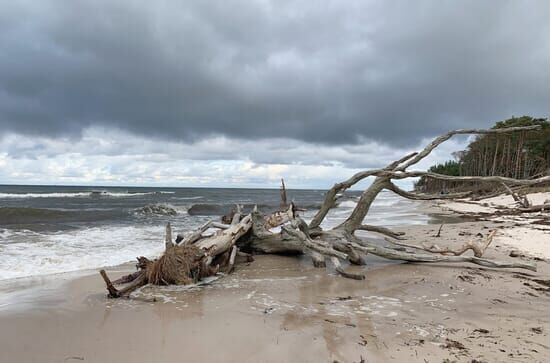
(328, 73)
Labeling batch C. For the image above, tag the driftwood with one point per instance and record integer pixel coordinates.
(477, 247)
(522, 201)
(198, 255)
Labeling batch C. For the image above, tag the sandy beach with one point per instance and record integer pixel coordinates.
(282, 309)
(274, 182)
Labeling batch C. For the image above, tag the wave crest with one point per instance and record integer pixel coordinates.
(90, 194)
(157, 209)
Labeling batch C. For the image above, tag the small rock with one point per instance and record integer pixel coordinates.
(516, 253)
(453, 344)
(481, 331)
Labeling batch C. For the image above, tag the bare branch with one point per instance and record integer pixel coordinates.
(317, 259)
(414, 257)
(477, 247)
(418, 196)
(197, 234)
(168, 237)
(363, 205)
(439, 140)
(396, 163)
(522, 201)
(494, 179)
(330, 197)
(231, 262)
(237, 216)
(338, 267)
(313, 245)
(381, 230)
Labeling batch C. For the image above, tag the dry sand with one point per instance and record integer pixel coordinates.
(281, 309)
(528, 233)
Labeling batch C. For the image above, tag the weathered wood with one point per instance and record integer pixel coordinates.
(419, 196)
(280, 217)
(140, 281)
(338, 267)
(441, 139)
(317, 259)
(197, 234)
(231, 263)
(225, 239)
(284, 203)
(113, 292)
(477, 247)
(522, 201)
(237, 216)
(432, 258)
(168, 237)
(127, 278)
(382, 230)
(492, 179)
(196, 253)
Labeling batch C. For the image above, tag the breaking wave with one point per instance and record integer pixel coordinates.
(157, 209)
(90, 194)
(75, 250)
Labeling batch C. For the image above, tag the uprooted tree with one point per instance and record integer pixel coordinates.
(197, 255)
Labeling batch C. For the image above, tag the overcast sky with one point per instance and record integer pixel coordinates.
(241, 93)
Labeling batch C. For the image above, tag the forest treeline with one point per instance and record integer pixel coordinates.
(521, 155)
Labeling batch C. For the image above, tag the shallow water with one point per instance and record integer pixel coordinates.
(45, 230)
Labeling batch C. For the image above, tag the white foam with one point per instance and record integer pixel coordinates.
(26, 253)
(79, 194)
(43, 195)
(347, 204)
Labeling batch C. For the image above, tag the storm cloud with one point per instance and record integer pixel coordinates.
(332, 73)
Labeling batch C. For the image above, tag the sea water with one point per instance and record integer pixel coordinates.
(52, 229)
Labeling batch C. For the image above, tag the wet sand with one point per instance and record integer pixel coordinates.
(281, 309)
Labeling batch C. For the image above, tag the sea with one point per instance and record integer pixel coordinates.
(53, 229)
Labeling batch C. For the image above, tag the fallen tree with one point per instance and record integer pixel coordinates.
(197, 255)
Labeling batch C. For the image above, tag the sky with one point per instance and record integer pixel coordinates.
(242, 93)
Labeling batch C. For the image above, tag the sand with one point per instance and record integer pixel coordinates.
(523, 232)
(281, 309)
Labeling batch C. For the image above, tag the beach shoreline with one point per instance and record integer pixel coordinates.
(280, 308)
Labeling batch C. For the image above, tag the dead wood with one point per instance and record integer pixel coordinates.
(521, 200)
(477, 247)
(341, 271)
(198, 255)
(382, 230)
(284, 203)
(231, 263)
(127, 278)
